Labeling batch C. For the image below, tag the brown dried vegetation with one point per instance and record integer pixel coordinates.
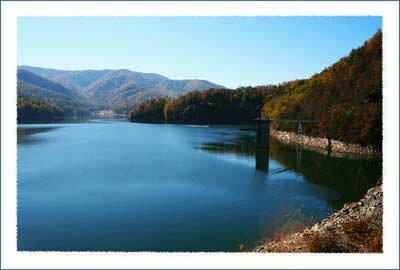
(356, 228)
(325, 243)
(354, 236)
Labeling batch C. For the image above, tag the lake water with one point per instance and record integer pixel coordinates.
(120, 186)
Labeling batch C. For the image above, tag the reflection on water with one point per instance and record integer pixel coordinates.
(262, 159)
(119, 186)
(26, 135)
(299, 149)
(351, 177)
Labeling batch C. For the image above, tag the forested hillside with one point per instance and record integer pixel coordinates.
(32, 86)
(120, 89)
(71, 79)
(30, 110)
(215, 106)
(345, 99)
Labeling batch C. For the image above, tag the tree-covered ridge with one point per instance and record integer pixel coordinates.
(32, 86)
(38, 81)
(214, 106)
(345, 99)
(30, 110)
(120, 89)
(151, 111)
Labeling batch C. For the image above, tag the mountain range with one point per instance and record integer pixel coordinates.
(119, 89)
(33, 87)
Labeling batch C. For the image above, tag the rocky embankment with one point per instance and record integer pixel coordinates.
(337, 147)
(357, 227)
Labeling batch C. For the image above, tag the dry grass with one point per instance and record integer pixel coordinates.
(324, 244)
(366, 235)
(354, 236)
(356, 227)
(358, 236)
(374, 242)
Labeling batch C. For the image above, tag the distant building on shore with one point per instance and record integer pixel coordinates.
(105, 113)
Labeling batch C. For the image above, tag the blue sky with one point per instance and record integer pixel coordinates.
(232, 51)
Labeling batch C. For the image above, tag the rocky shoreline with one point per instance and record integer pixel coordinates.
(322, 144)
(357, 227)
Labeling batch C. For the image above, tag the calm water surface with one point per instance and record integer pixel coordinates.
(120, 186)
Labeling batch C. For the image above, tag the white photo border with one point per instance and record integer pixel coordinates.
(11, 258)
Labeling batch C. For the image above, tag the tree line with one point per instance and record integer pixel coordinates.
(30, 110)
(214, 106)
